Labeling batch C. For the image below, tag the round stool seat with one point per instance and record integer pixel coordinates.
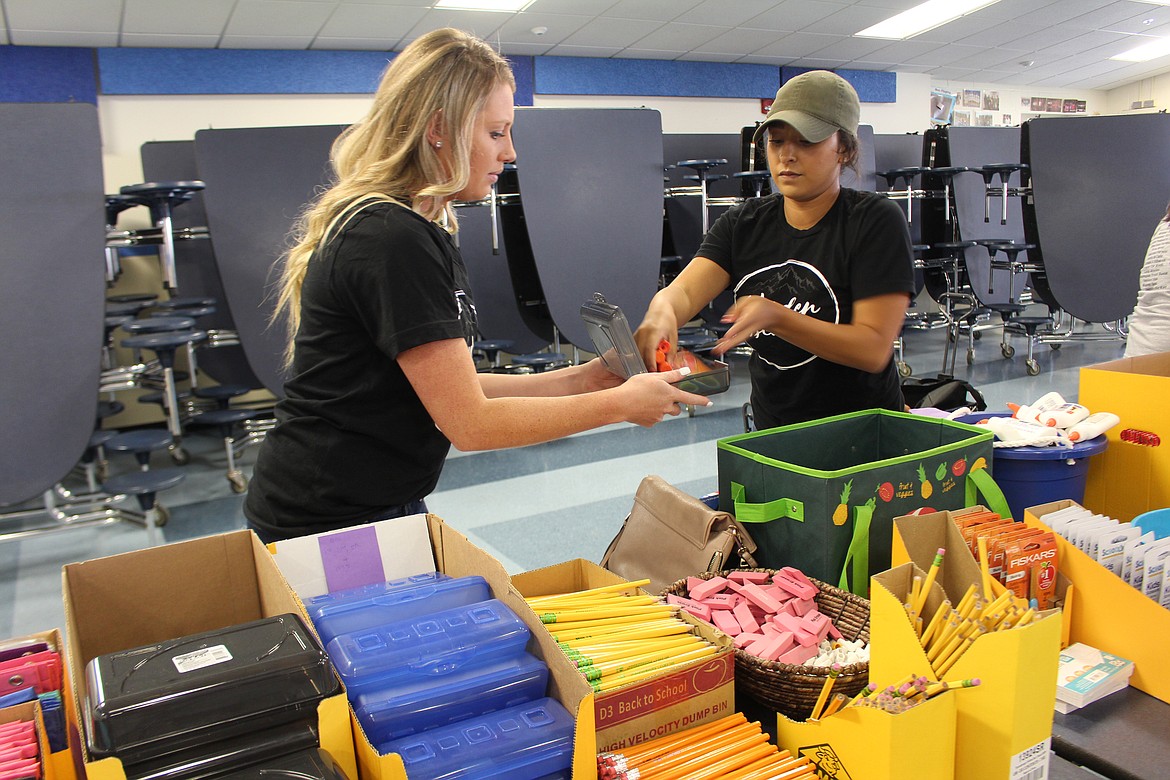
(1030, 323)
(142, 440)
(951, 246)
(223, 417)
(493, 345)
(160, 196)
(1005, 310)
(114, 320)
(131, 298)
(949, 171)
(894, 174)
(701, 165)
(192, 311)
(100, 438)
(709, 177)
(752, 175)
(1004, 170)
(109, 409)
(158, 325)
(160, 342)
(116, 204)
(125, 308)
(136, 483)
(539, 361)
(1009, 248)
(189, 302)
(221, 392)
(158, 396)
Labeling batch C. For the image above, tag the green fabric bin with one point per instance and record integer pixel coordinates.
(822, 495)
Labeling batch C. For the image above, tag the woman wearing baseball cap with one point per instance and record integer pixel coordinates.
(822, 274)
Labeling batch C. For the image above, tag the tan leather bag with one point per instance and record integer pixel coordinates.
(670, 535)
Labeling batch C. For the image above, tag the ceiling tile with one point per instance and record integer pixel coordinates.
(207, 17)
(355, 44)
(695, 56)
(62, 38)
(590, 7)
(518, 27)
(171, 41)
(855, 48)
(723, 12)
(794, 14)
(482, 23)
(848, 21)
(795, 45)
(371, 21)
(277, 18)
(74, 16)
(568, 50)
(653, 10)
(681, 37)
(604, 32)
(742, 40)
(650, 54)
(525, 49)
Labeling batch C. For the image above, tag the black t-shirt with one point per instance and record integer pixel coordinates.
(859, 249)
(352, 437)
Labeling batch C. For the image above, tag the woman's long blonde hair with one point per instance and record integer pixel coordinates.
(444, 77)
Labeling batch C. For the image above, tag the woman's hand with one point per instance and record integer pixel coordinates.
(650, 397)
(649, 337)
(748, 316)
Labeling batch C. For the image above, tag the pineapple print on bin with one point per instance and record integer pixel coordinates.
(912, 496)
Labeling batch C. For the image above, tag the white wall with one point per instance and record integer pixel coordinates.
(1156, 88)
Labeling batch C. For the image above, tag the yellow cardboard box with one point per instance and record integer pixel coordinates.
(416, 544)
(31, 711)
(865, 742)
(151, 595)
(1004, 725)
(1128, 479)
(701, 692)
(1110, 615)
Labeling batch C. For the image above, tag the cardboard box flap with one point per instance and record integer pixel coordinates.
(920, 538)
(155, 600)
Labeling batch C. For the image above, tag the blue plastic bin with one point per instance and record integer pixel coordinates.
(1030, 476)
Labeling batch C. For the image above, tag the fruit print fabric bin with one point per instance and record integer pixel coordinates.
(822, 495)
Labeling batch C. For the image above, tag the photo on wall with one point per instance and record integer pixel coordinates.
(962, 119)
(991, 100)
(942, 105)
(972, 98)
(983, 119)
(1038, 103)
(1052, 104)
(1006, 121)
(1068, 106)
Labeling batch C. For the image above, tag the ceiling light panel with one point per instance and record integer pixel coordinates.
(920, 18)
(509, 6)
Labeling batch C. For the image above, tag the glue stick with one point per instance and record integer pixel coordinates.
(1063, 416)
(1093, 425)
(1031, 411)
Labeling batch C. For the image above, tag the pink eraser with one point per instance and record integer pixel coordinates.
(806, 639)
(788, 622)
(694, 582)
(725, 622)
(749, 576)
(756, 647)
(794, 586)
(816, 623)
(798, 655)
(776, 647)
(708, 588)
(776, 592)
(797, 575)
(745, 618)
(770, 628)
(833, 632)
(756, 594)
(720, 600)
(803, 606)
(743, 640)
(701, 611)
(735, 587)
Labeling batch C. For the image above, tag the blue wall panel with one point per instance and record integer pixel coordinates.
(522, 69)
(873, 86)
(592, 76)
(47, 74)
(239, 71)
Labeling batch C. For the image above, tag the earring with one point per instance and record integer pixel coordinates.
(438, 144)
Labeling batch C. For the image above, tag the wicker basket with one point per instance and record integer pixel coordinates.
(792, 689)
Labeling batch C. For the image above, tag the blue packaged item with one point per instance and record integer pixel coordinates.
(525, 742)
(436, 697)
(388, 655)
(375, 605)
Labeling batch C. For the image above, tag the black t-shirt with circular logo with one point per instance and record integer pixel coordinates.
(859, 249)
(352, 437)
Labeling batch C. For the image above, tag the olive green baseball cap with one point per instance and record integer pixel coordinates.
(816, 104)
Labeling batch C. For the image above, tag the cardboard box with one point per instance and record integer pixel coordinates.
(63, 766)
(412, 545)
(1003, 726)
(865, 742)
(1128, 479)
(1109, 615)
(31, 711)
(701, 692)
(137, 598)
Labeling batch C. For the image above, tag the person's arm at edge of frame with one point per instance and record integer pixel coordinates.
(677, 304)
(866, 343)
(444, 376)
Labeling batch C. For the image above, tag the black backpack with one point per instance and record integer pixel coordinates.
(941, 392)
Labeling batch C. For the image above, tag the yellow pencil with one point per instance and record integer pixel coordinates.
(838, 701)
(582, 593)
(834, 673)
(931, 575)
(935, 622)
(984, 571)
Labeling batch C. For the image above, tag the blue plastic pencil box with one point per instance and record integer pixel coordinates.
(524, 742)
(436, 697)
(388, 655)
(375, 605)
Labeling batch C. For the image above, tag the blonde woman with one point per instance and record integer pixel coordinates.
(381, 314)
